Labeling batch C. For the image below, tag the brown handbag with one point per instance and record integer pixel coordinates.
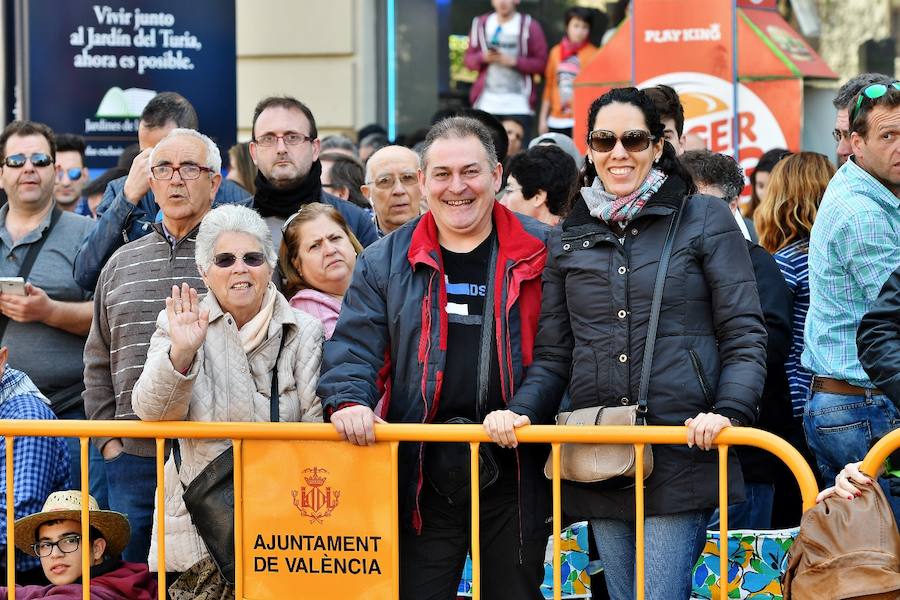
(590, 463)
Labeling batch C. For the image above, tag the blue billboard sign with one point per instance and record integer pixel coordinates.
(91, 66)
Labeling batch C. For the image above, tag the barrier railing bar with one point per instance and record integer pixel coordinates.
(557, 523)
(639, 520)
(395, 519)
(475, 486)
(723, 522)
(394, 433)
(879, 453)
(86, 545)
(238, 447)
(161, 516)
(10, 520)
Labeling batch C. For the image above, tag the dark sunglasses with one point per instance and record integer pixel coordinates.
(74, 174)
(227, 259)
(633, 140)
(872, 92)
(38, 159)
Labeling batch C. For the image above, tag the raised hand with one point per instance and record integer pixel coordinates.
(187, 325)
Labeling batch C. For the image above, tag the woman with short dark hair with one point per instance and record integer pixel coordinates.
(540, 183)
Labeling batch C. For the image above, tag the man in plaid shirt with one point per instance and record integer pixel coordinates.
(854, 247)
(40, 464)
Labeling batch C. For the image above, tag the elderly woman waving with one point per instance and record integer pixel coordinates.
(214, 359)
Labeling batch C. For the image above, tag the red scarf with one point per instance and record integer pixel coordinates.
(568, 48)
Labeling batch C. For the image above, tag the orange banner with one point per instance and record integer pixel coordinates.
(687, 35)
(319, 520)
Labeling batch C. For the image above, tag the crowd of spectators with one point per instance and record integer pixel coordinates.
(479, 277)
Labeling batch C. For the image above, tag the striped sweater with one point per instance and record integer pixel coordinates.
(792, 260)
(130, 294)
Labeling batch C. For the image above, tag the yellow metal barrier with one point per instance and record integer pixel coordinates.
(880, 451)
(393, 434)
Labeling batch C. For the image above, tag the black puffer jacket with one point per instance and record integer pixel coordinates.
(710, 351)
(878, 339)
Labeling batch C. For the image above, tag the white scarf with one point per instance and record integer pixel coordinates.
(255, 331)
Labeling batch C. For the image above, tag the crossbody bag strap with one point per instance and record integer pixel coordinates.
(487, 335)
(30, 257)
(273, 397)
(655, 308)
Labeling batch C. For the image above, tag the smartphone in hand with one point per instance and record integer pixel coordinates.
(12, 285)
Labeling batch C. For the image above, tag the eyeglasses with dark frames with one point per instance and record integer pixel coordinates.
(66, 544)
(289, 139)
(38, 159)
(227, 259)
(187, 171)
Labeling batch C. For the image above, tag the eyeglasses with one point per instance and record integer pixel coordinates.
(187, 171)
(387, 182)
(38, 159)
(289, 139)
(227, 259)
(840, 134)
(633, 140)
(66, 545)
(74, 174)
(872, 92)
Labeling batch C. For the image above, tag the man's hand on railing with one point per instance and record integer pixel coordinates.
(501, 425)
(356, 424)
(704, 428)
(842, 483)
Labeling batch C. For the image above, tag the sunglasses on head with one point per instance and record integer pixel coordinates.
(38, 159)
(872, 92)
(633, 140)
(227, 259)
(74, 174)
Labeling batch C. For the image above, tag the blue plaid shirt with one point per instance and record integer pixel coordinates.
(40, 464)
(853, 248)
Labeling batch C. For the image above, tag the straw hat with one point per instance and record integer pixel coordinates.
(61, 506)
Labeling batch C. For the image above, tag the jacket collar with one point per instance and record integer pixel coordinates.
(514, 242)
(282, 314)
(663, 202)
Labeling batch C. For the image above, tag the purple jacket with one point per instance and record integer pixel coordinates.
(129, 581)
(531, 62)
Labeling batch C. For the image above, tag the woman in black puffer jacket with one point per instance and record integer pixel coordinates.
(708, 366)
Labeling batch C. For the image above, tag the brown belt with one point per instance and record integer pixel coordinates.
(839, 386)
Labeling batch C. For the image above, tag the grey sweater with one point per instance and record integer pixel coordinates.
(131, 292)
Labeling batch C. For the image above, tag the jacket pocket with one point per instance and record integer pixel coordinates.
(701, 377)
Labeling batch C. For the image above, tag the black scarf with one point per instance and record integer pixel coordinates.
(283, 202)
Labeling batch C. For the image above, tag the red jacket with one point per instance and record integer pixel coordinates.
(130, 581)
(393, 329)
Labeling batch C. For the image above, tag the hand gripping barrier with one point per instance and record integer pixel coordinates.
(393, 434)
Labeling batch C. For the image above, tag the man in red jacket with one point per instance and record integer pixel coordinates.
(507, 48)
(440, 321)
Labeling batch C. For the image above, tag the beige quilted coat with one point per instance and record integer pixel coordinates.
(223, 384)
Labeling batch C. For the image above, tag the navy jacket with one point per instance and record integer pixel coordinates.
(119, 222)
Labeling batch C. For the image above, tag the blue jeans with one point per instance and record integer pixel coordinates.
(672, 544)
(96, 470)
(132, 490)
(753, 513)
(840, 429)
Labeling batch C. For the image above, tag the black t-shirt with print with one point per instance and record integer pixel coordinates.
(465, 277)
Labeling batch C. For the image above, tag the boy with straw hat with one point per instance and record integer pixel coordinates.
(54, 536)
